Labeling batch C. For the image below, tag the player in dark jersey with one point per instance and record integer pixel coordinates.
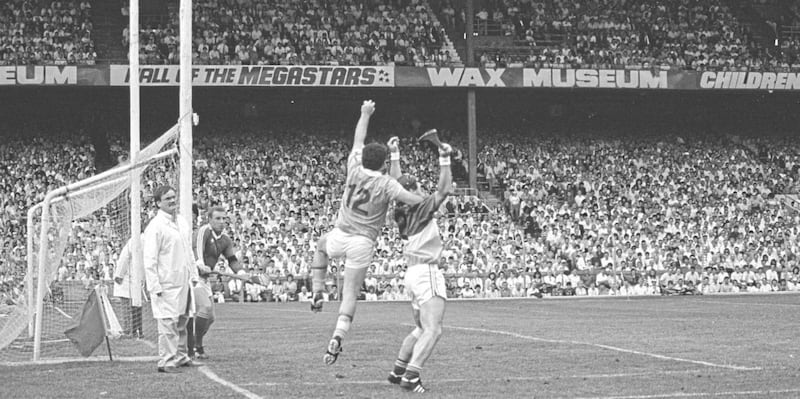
(211, 242)
(422, 250)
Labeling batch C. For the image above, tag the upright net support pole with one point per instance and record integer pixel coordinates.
(136, 275)
(42, 273)
(31, 268)
(185, 110)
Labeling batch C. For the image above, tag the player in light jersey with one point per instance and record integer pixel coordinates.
(422, 249)
(211, 242)
(362, 214)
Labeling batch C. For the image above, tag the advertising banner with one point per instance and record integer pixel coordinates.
(748, 80)
(595, 78)
(529, 77)
(391, 76)
(38, 75)
(260, 75)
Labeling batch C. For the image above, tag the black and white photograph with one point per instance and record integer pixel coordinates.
(591, 199)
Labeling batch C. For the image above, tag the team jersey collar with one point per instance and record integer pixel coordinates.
(214, 233)
(373, 173)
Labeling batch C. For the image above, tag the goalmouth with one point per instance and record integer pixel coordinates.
(74, 238)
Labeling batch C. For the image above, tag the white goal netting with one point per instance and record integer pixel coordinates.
(88, 227)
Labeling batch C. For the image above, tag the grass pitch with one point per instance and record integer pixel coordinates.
(660, 347)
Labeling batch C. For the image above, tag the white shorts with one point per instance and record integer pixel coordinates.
(355, 249)
(424, 282)
(202, 299)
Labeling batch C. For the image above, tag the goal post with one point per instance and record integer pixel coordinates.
(74, 238)
(113, 181)
(134, 109)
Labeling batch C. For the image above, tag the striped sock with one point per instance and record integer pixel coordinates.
(412, 373)
(400, 367)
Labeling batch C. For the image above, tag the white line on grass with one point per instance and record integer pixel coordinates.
(481, 381)
(213, 377)
(308, 312)
(80, 360)
(791, 305)
(270, 330)
(698, 394)
(609, 347)
(47, 341)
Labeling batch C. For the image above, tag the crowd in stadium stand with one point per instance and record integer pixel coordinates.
(635, 205)
(579, 216)
(45, 32)
(316, 32)
(34, 163)
(687, 34)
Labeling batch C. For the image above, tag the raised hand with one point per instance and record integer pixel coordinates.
(394, 144)
(367, 107)
(445, 150)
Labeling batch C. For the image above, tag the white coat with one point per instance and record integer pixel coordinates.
(169, 265)
(130, 277)
(123, 271)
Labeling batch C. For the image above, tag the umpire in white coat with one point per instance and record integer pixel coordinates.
(170, 273)
(128, 286)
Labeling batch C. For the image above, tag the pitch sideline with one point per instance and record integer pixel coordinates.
(219, 380)
(609, 347)
(462, 380)
(698, 394)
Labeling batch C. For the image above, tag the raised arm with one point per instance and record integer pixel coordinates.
(394, 156)
(367, 108)
(445, 186)
(407, 197)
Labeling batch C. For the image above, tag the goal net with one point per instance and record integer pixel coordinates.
(87, 225)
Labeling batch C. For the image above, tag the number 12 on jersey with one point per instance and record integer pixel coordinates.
(358, 203)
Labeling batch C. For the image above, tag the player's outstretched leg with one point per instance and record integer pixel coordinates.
(353, 278)
(406, 351)
(431, 316)
(319, 267)
(333, 350)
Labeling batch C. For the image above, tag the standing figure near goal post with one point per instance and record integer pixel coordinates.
(124, 287)
(422, 250)
(211, 242)
(170, 273)
(362, 214)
